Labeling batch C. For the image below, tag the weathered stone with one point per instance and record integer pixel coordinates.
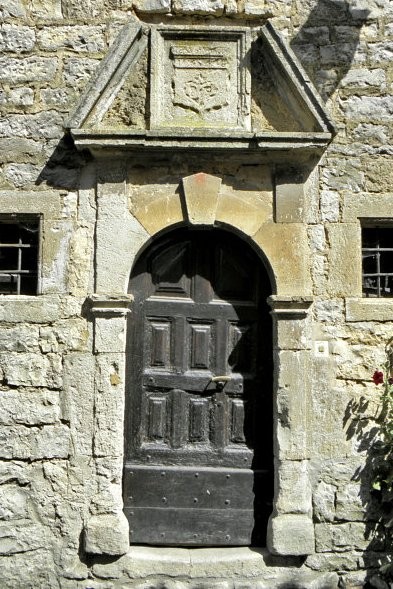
(27, 69)
(201, 195)
(215, 7)
(381, 52)
(341, 537)
(290, 263)
(29, 408)
(57, 97)
(314, 35)
(29, 369)
(293, 334)
(109, 405)
(292, 487)
(368, 309)
(355, 580)
(378, 175)
(20, 97)
(291, 535)
(371, 133)
(19, 338)
(109, 334)
(22, 175)
(343, 175)
(246, 209)
(107, 534)
(363, 78)
(17, 39)
(46, 9)
(330, 206)
(255, 8)
(34, 443)
(13, 503)
(154, 6)
(289, 201)
(78, 402)
(344, 276)
(81, 39)
(20, 568)
(21, 537)
(351, 502)
(368, 108)
(366, 205)
(324, 502)
(329, 310)
(332, 562)
(42, 125)
(11, 8)
(76, 72)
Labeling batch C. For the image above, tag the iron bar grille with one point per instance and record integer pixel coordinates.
(19, 240)
(377, 259)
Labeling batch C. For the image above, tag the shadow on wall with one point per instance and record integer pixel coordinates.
(63, 168)
(364, 426)
(327, 43)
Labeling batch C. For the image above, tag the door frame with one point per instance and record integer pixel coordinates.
(291, 530)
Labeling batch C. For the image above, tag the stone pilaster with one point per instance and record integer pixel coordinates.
(291, 530)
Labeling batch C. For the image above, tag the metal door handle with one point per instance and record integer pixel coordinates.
(220, 381)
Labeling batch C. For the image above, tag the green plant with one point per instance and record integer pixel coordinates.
(383, 476)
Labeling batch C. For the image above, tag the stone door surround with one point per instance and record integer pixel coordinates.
(119, 237)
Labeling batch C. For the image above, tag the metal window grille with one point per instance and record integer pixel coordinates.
(377, 259)
(19, 241)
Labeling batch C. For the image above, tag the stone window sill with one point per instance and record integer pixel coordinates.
(369, 309)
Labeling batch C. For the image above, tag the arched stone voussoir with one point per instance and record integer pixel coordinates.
(201, 193)
(285, 248)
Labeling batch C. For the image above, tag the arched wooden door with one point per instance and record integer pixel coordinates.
(198, 467)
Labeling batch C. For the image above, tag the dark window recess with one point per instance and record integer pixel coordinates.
(19, 255)
(377, 256)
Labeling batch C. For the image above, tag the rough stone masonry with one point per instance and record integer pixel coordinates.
(260, 159)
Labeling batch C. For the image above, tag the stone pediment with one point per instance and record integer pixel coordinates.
(200, 87)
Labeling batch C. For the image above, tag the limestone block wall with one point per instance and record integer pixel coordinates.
(61, 376)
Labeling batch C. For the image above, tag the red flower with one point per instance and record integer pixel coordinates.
(390, 380)
(378, 377)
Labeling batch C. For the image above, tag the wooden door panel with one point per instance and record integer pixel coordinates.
(170, 271)
(197, 345)
(159, 343)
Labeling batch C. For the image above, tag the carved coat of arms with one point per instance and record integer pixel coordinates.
(200, 79)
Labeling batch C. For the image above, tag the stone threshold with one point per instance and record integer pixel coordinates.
(255, 565)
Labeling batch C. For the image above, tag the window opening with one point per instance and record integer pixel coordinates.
(19, 239)
(377, 259)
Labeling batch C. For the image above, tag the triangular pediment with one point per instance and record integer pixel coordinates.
(223, 87)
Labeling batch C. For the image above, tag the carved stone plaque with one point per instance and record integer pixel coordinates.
(200, 79)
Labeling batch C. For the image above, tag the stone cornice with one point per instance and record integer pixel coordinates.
(102, 142)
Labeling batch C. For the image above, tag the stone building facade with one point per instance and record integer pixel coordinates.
(264, 125)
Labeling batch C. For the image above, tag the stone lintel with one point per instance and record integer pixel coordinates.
(110, 305)
(290, 307)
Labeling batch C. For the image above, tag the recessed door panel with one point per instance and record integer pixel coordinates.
(199, 405)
